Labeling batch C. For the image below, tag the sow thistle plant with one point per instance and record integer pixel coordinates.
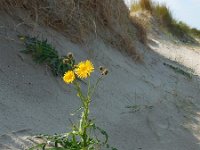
(83, 135)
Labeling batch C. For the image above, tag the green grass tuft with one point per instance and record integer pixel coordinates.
(163, 13)
(195, 32)
(43, 52)
(136, 108)
(142, 5)
(180, 70)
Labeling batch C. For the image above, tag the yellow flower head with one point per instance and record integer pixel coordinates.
(84, 69)
(69, 77)
(90, 66)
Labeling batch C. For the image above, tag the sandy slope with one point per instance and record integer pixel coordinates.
(31, 98)
(174, 50)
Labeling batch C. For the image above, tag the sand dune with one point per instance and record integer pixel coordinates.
(33, 101)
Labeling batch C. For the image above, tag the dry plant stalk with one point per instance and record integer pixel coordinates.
(141, 23)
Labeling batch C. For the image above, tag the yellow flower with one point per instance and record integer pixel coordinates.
(84, 69)
(81, 70)
(90, 66)
(69, 77)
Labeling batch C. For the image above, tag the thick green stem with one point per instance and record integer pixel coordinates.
(84, 123)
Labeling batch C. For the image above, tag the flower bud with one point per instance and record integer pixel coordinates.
(101, 68)
(70, 55)
(66, 61)
(105, 72)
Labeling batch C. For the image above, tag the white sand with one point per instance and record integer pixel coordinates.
(31, 98)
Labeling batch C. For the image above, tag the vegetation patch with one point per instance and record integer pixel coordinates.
(179, 70)
(136, 108)
(161, 12)
(142, 5)
(141, 26)
(43, 52)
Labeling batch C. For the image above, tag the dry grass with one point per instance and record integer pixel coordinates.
(163, 13)
(160, 11)
(107, 19)
(141, 24)
(146, 5)
(142, 5)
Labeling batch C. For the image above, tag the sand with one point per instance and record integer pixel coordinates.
(33, 101)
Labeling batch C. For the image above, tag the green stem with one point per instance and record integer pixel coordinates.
(84, 124)
(84, 121)
(84, 117)
(95, 86)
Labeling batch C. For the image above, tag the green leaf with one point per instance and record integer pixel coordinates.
(40, 146)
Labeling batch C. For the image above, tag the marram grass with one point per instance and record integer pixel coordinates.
(163, 14)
